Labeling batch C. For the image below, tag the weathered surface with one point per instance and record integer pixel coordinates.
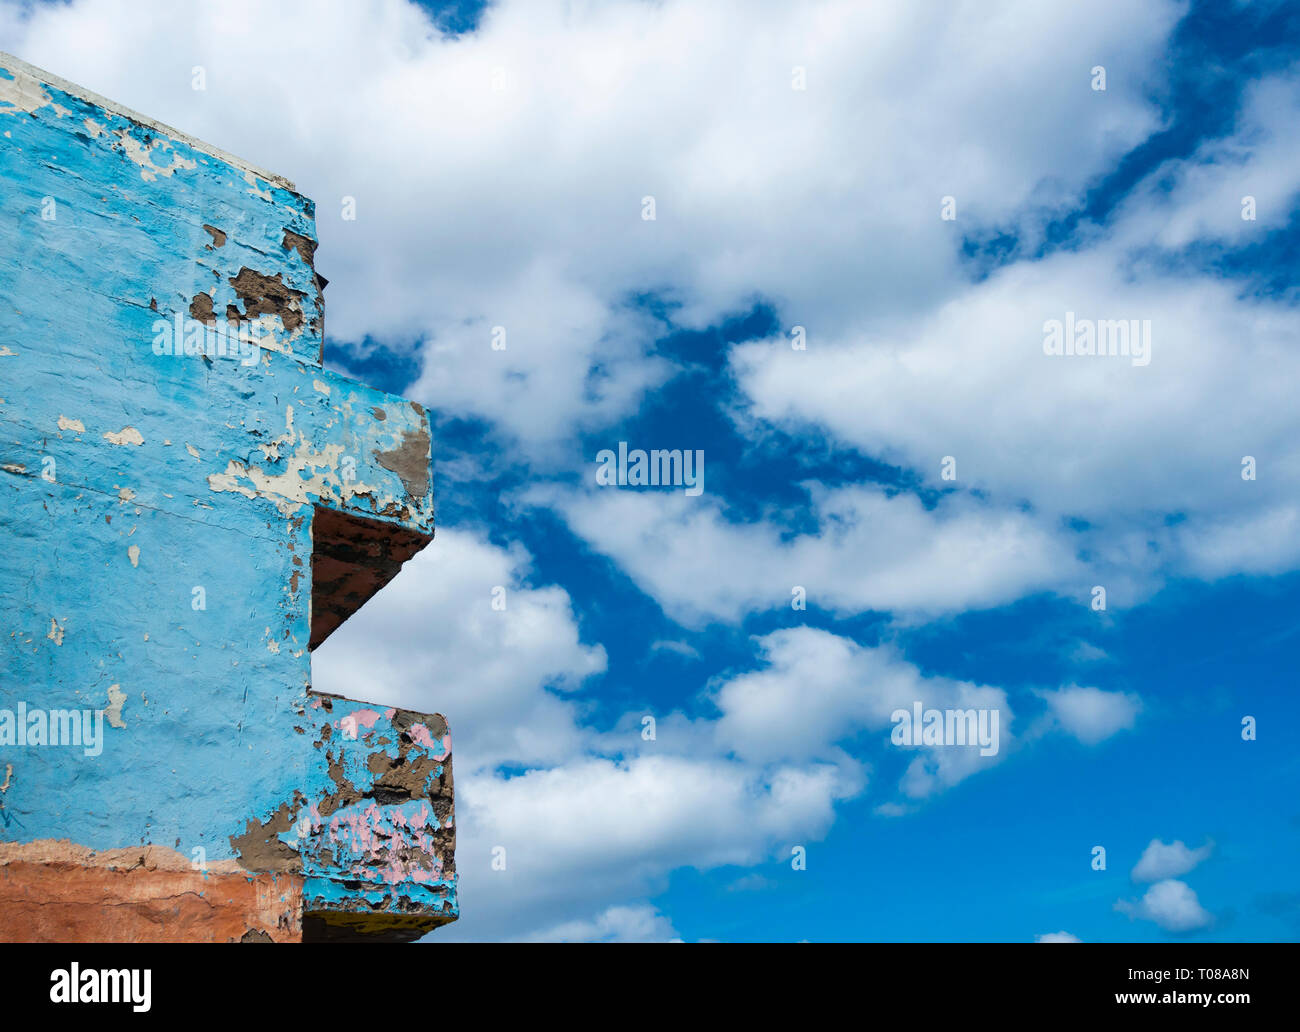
(380, 837)
(58, 892)
(185, 511)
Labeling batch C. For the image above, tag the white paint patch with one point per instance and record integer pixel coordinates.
(252, 181)
(324, 388)
(193, 451)
(133, 553)
(64, 422)
(25, 95)
(127, 435)
(116, 699)
(143, 156)
(292, 489)
(56, 632)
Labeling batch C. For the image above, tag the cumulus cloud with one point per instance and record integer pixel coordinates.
(499, 176)
(872, 550)
(431, 640)
(1202, 198)
(1091, 714)
(1058, 937)
(1162, 860)
(596, 820)
(641, 923)
(816, 689)
(559, 822)
(1096, 438)
(1172, 905)
(594, 830)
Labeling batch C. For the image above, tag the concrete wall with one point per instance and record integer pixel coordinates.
(189, 503)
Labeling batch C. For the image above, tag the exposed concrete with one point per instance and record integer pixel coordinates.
(352, 558)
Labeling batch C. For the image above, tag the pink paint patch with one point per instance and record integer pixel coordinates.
(420, 736)
(361, 718)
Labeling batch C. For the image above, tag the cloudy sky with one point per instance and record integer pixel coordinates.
(864, 218)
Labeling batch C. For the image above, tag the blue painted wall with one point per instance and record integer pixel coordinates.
(156, 509)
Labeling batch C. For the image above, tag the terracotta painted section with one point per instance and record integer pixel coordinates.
(57, 892)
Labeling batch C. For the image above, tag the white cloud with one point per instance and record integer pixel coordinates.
(816, 690)
(506, 680)
(1119, 446)
(1058, 937)
(600, 819)
(1086, 437)
(641, 923)
(1168, 860)
(596, 830)
(1091, 714)
(499, 176)
(1172, 905)
(678, 648)
(873, 550)
(1086, 652)
(1200, 198)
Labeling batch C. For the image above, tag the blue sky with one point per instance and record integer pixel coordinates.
(499, 159)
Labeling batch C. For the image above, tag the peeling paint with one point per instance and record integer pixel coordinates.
(116, 700)
(23, 96)
(296, 497)
(127, 435)
(142, 154)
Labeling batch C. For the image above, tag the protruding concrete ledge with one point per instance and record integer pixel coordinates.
(378, 856)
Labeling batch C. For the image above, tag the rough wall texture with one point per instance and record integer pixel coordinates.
(189, 503)
(56, 892)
